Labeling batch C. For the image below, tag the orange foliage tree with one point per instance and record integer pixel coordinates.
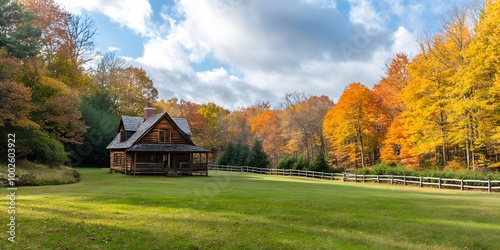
(389, 96)
(350, 126)
(266, 127)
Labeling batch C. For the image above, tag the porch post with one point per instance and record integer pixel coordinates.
(135, 160)
(206, 163)
(125, 163)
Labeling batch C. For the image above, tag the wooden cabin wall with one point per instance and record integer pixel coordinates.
(129, 162)
(152, 136)
(121, 165)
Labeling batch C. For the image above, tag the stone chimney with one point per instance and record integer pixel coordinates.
(149, 111)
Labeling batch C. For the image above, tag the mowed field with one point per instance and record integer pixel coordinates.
(231, 210)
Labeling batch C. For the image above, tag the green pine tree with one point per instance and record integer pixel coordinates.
(241, 157)
(319, 164)
(258, 157)
(97, 112)
(17, 34)
(287, 162)
(302, 163)
(228, 155)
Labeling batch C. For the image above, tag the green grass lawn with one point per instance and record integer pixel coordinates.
(248, 211)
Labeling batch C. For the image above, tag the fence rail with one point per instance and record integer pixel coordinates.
(489, 185)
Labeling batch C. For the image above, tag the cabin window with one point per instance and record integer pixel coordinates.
(117, 158)
(122, 136)
(164, 136)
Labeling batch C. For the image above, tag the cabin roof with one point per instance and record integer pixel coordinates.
(132, 123)
(180, 148)
(141, 127)
(182, 123)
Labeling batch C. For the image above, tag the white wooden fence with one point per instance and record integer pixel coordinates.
(489, 185)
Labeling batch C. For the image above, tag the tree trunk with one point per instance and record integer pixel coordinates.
(473, 162)
(444, 155)
(360, 139)
(467, 152)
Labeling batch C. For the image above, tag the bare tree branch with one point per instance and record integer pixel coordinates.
(81, 30)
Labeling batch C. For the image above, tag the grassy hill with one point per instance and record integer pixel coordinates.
(248, 211)
(33, 174)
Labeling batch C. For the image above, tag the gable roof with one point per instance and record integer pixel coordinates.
(182, 123)
(180, 148)
(130, 123)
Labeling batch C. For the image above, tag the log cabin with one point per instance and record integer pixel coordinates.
(156, 144)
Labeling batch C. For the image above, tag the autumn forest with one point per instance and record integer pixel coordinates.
(437, 109)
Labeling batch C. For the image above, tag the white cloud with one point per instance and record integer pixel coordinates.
(405, 41)
(166, 54)
(133, 14)
(112, 48)
(322, 3)
(362, 12)
(276, 47)
(396, 7)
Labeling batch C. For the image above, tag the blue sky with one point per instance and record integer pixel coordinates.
(236, 52)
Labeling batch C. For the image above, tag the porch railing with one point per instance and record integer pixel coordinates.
(148, 165)
(191, 166)
(185, 167)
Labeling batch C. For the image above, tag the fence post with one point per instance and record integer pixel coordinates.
(404, 180)
(439, 179)
(344, 177)
(392, 177)
(461, 184)
(489, 186)
(364, 178)
(421, 181)
(378, 179)
(355, 178)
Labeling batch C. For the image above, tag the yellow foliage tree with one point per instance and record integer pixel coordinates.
(430, 117)
(478, 90)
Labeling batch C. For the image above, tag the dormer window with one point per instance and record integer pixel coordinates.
(164, 136)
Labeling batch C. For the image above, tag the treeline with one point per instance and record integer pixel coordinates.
(439, 109)
(65, 113)
(60, 111)
(241, 154)
(294, 130)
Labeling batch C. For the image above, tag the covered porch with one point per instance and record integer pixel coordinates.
(168, 159)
